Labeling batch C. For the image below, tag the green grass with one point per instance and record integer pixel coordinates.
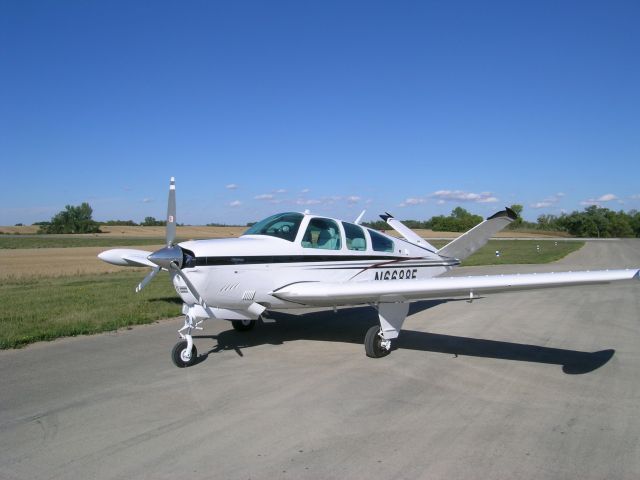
(522, 252)
(48, 308)
(70, 241)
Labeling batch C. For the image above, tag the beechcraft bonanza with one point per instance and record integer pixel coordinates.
(293, 260)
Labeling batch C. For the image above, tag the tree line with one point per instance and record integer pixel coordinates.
(593, 221)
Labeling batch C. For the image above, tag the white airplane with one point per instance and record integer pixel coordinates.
(293, 260)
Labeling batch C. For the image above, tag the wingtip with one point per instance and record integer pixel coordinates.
(507, 212)
(386, 216)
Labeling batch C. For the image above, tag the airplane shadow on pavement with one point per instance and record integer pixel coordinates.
(349, 325)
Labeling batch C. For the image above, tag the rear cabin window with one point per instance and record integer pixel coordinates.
(380, 243)
(322, 233)
(354, 237)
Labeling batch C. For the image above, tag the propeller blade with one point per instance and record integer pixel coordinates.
(171, 214)
(154, 271)
(190, 286)
(127, 257)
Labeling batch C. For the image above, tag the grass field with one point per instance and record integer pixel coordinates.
(10, 242)
(519, 251)
(48, 293)
(48, 308)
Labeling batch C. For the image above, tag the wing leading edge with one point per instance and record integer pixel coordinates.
(353, 293)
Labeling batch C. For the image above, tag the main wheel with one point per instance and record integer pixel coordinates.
(373, 345)
(180, 356)
(243, 325)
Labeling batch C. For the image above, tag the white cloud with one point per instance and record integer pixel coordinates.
(548, 202)
(231, 186)
(305, 190)
(413, 201)
(147, 200)
(353, 199)
(235, 203)
(462, 196)
(280, 190)
(607, 197)
(542, 204)
(264, 196)
(307, 201)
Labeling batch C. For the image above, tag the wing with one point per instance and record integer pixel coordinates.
(354, 293)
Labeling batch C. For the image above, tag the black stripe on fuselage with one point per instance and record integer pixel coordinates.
(394, 266)
(338, 260)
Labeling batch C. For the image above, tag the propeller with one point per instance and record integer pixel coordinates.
(199, 300)
(171, 213)
(170, 257)
(154, 271)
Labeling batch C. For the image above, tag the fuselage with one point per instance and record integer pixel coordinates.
(293, 247)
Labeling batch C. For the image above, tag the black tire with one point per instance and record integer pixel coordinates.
(243, 325)
(373, 343)
(177, 355)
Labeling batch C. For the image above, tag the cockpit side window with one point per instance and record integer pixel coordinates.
(322, 233)
(354, 237)
(281, 225)
(380, 243)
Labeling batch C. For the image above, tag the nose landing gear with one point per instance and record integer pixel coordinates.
(182, 355)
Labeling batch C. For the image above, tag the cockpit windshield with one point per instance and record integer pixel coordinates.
(281, 225)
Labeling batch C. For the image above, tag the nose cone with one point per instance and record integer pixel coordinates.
(167, 255)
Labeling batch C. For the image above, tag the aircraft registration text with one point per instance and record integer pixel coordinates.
(397, 274)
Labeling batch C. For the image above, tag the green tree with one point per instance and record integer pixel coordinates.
(152, 222)
(73, 219)
(460, 220)
(634, 221)
(126, 223)
(517, 208)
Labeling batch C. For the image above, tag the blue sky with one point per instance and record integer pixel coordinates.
(265, 106)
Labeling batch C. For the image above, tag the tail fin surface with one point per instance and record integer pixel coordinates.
(478, 236)
(406, 232)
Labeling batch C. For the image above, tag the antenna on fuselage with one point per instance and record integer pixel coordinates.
(359, 219)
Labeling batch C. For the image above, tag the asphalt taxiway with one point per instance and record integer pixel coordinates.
(539, 384)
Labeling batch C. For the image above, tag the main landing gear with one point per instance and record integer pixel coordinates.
(377, 341)
(243, 325)
(375, 345)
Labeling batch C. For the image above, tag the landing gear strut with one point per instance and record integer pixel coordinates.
(374, 344)
(184, 353)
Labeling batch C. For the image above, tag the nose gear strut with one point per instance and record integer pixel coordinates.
(184, 353)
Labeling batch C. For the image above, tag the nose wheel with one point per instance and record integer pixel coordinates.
(182, 356)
